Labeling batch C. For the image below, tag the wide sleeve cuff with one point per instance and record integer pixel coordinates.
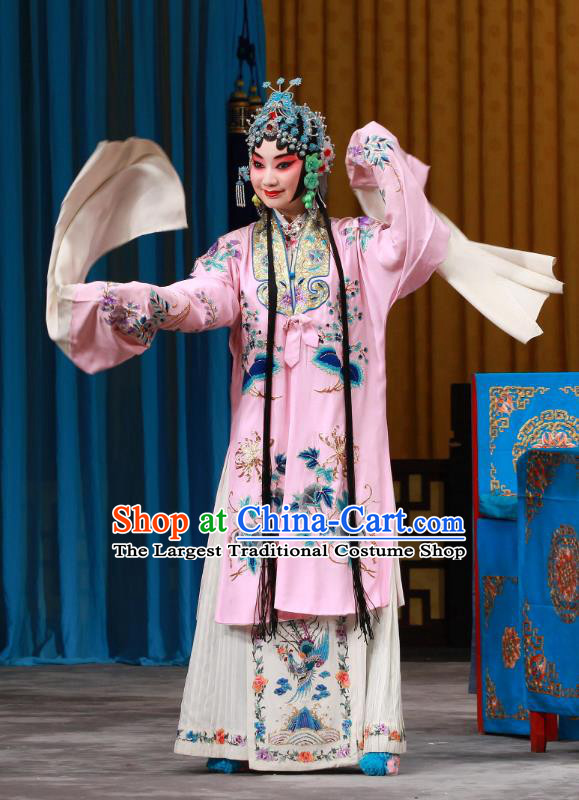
(126, 189)
(507, 286)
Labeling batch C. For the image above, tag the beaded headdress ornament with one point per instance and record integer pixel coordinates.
(296, 127)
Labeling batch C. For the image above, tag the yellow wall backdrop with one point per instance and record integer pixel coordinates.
(487, 92)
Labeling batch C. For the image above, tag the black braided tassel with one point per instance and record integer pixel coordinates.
(267, 618)
(266, 626)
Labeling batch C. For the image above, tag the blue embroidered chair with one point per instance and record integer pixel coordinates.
(548, 528)
(512, 414)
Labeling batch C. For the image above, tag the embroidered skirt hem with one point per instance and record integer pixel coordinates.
(213, 750)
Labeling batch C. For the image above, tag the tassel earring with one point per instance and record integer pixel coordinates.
(240, 191)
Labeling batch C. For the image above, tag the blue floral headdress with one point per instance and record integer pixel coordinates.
(296, 127)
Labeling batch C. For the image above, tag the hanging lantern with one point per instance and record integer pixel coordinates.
(255, 101)
(239, 109)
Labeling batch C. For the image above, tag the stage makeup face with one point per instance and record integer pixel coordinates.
(275, 176)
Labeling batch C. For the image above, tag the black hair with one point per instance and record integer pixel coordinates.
(267, 617)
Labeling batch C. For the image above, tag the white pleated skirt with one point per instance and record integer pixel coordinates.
(315, 697)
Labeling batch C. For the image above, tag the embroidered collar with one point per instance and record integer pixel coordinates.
(291, 230)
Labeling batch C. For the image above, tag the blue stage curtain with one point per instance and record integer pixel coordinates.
(154, 430)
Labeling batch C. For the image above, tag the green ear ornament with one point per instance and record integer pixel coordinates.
(311, 179)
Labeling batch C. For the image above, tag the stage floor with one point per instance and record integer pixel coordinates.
(99, 732)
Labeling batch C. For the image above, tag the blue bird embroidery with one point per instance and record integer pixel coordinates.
(256, 372)
(312, 656)
(327, 359)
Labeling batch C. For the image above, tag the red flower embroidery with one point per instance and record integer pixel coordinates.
(259, 683)
(343, 679)
(220, 736)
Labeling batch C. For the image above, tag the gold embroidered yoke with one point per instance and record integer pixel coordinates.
(300, 285)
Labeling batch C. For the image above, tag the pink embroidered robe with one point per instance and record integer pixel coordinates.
(106, 323)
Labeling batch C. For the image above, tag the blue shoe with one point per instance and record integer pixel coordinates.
(380, 764)
(227, 765)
